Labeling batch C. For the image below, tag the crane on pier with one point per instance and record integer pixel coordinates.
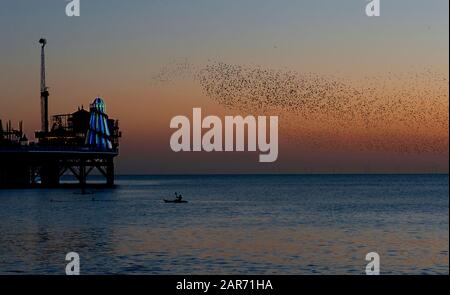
(44, 89)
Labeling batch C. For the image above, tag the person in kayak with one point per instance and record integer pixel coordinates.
(178, 197)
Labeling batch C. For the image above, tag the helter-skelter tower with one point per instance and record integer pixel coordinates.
(44, 89)
(99, 135)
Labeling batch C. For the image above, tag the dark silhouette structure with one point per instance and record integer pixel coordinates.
(76, 143)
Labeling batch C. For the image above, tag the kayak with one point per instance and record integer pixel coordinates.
(175, 201)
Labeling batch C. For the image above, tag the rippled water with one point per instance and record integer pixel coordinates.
(286, 224)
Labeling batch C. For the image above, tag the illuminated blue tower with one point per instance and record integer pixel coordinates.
(98, 135)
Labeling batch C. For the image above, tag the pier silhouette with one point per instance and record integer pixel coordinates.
(76, 143)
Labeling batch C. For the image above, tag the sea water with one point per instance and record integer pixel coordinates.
(232, 224)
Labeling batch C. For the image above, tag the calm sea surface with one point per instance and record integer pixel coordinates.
(286, 224)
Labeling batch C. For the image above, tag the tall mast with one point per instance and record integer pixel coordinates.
(44, 89)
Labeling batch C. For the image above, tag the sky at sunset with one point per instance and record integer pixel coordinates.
(353, 93)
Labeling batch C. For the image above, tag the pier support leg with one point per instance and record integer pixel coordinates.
(83, 176)
(110, 172)
(50, 173)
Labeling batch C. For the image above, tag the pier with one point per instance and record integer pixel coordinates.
(44, 166)
(78, 144)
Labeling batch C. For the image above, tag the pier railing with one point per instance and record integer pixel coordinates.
(50, 149)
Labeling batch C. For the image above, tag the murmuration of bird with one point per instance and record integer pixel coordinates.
(394, 112)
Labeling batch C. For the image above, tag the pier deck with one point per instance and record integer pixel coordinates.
(40, 166)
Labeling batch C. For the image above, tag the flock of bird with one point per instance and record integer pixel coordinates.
(404, 113)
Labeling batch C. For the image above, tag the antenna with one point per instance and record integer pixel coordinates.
(44, 89)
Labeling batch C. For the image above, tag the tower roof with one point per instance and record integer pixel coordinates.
(98, 105)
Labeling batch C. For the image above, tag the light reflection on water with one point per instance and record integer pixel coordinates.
(302, 224)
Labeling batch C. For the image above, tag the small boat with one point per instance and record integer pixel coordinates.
(175, 201)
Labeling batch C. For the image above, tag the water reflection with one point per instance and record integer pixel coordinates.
(245, 224)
